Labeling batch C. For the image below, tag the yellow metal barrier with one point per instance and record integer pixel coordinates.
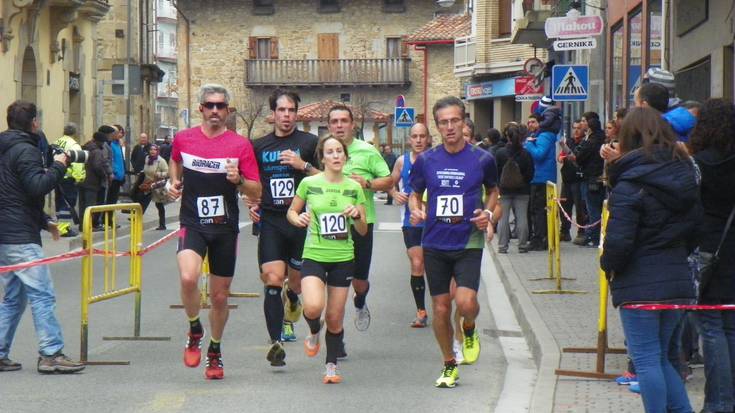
(553, 228)
(110, 254)
(602, 348)
(204, 290)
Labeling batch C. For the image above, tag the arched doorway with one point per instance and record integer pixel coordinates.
(29, 80)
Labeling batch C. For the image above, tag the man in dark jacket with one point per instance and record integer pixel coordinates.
(571, 180)
(23, 183)
(587, 155)
(95, 180)
(140, 151)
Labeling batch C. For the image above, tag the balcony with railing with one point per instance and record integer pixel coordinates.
(326, 72)
(464, 55)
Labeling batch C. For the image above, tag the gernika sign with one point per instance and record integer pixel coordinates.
(573, 26)
(575, 44)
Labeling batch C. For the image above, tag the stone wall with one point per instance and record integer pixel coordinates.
(219, 47)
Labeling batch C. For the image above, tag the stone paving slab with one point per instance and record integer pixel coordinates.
(572, 321)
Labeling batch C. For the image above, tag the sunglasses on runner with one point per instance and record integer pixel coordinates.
(212, 105)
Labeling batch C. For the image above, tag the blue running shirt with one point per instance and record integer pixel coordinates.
(454, 185)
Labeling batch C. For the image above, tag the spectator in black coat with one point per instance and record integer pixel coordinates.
(713, 145)
(138, 154)
(514, 197)
(165, 148)
(587, 156)
(654, 214)
(571, 185)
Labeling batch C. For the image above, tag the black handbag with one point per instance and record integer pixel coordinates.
(707, 261)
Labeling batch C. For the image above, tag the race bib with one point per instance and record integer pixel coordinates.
(333, 226)
(282, 188)
(449, 206)
(210, 206)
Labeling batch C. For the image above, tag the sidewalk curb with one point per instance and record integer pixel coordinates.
(545, 350)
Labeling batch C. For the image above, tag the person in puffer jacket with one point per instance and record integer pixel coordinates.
(655, 211)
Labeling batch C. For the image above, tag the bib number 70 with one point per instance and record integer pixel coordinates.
(449, 206)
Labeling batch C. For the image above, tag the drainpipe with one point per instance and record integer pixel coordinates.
(129, 47)
(420, 46)
(188, 62)
(665, 35)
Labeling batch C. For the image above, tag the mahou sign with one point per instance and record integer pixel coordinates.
(572, 27)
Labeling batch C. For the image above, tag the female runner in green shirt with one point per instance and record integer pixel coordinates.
(335, 202)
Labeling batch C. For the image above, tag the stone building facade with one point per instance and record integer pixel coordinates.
(127, 39)
(348, 50)
(48, 53)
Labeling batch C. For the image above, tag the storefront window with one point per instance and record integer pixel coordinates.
(655, 50)
(617, 68)
(634, 61)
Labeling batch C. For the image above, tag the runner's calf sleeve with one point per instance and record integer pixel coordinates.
(314, 324)
(359, 299)
(292, 296)
(418, 286)
(273, 309)
(334, 341)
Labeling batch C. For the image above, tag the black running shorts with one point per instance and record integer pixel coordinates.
(412, 236)
(279, 240)
(221, 249)
(334, 274)
(440, 266)
(363, 252)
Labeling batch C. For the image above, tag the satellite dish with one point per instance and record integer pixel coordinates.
(445, 3)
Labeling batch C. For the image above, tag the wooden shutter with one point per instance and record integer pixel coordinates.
(274, 48)
(505, 22)
(328, 45)
(252, 47)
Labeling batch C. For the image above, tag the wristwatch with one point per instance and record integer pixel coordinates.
(307, 167)
(490, 216)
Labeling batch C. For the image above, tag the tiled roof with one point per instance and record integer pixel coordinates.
(442, 27)
(318, 111)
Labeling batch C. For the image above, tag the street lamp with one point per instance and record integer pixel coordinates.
(445, 3)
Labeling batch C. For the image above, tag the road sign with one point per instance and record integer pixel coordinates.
(572, 27)
(570, 82)
(404, 117)
(533, 66)
(528, 89)
(575, 44)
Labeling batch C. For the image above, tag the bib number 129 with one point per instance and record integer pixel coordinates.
(282, 187)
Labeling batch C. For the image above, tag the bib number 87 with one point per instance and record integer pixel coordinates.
(210, 206)
(331, 224)
(449, 206)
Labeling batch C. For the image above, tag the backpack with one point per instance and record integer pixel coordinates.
(511, 177)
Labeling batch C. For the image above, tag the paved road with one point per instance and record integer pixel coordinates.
(391, 367)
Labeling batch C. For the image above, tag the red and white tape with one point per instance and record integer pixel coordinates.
(568, 218)
(68, 256)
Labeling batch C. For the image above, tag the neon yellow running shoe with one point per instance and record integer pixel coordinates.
(449, 377)
(291, 311)
(471, 348)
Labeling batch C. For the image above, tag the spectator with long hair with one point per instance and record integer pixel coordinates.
(712, 144)
(654, 214)
(515, 189)
(587, 155)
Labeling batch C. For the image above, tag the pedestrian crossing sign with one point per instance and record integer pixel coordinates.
(404, 117)
(570, 82)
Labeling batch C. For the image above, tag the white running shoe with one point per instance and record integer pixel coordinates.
(362, 318)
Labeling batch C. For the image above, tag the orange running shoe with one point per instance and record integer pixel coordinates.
(311, 345)
(331, 375)
(193, 349)
(421, 320)
(215, 368)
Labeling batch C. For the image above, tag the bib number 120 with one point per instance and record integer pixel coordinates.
(332, 224)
